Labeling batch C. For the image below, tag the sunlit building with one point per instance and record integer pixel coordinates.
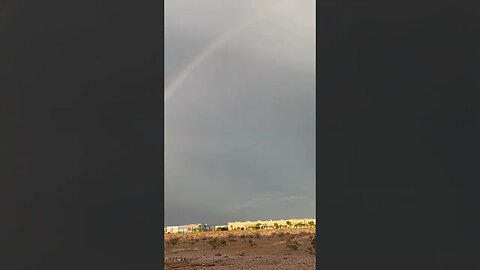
(272, 224)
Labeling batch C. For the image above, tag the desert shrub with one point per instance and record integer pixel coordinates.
(281, 234)
(313, 247)
(214, 242)
(222, 242)
(293, 244)
(250, 241)
(243, 236)
(314, 244)
(174, 241)
(231, 237)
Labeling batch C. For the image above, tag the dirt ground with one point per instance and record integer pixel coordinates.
(256, 249)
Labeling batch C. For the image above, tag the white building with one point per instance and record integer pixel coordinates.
(171, 229)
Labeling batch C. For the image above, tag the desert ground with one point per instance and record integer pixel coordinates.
(288, 248)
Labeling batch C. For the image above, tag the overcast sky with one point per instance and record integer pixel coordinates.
(240, 120)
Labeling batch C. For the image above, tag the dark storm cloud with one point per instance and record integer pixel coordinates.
(240, 130)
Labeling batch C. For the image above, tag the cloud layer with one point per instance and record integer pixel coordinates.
(240, 129)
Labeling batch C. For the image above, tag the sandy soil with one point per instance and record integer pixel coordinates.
(259, 249)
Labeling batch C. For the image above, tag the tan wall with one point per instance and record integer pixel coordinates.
(267, 223)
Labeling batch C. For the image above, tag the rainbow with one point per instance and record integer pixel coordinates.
(212, 47)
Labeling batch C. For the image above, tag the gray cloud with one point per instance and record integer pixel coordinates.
(240, 130)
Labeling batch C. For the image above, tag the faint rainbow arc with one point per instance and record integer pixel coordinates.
(212, 47)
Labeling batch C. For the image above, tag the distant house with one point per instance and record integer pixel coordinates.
(171, 229)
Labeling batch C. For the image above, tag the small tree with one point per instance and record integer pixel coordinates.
(289, 223)
(311, 223)
(257, 226)
(275, 225)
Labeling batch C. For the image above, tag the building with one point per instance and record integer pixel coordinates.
(171, 229)
(209, 227)
(221, 228)
(271, 224)
(195, 227)
(185, 228)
